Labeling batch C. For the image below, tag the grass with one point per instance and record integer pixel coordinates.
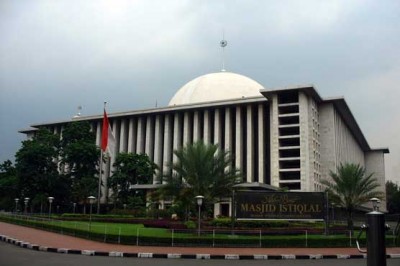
(110, 228)
(134, 229)
(137, 234)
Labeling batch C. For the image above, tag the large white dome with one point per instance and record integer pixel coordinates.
(216, 87)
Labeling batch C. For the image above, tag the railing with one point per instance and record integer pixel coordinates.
(140, 236)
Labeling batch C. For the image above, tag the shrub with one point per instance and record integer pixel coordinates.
(227, 222)
(260, 224)
(190, 225)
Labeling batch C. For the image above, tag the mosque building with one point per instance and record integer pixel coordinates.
(285, 138)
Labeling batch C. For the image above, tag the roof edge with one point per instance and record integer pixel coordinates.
(383, 150)
(344, 110)
(308, 89)
(99, 117)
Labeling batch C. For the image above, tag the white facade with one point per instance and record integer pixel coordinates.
(289, 138)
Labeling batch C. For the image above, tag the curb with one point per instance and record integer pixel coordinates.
(28, 245)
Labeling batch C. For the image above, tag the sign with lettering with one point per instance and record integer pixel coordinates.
(280, 205)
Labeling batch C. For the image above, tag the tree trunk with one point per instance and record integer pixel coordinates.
(350, 220)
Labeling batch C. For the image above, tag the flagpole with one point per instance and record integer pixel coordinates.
(100, 170)
(99, 185)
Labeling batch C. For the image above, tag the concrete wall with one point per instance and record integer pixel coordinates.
(327, 139)
(274, 140)
(375, 164)
(347, 148)
(338, 144)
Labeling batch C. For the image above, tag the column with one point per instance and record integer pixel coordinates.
(177, 135)
(61, 132)
(239, 139)
(228, 130)
(98, 133)
(207, 127)
(187, 130)
(116, 133)
(196, 126)
(274, 140)
(261, 144)
(140, 136)
(167, 142)
(149, 138)
(158, 145)
(123, 138)
(132, 136)
(217, 128)
(250, 148)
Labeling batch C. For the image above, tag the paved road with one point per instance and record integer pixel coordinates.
(13, 255)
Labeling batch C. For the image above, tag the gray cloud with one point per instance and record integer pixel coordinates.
(56, 55)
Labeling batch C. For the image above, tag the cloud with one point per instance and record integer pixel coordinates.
(57, 55)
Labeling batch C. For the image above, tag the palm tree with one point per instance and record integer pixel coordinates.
(200, 169)
(350, 187)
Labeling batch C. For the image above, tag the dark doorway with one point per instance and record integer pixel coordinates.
(224, 209)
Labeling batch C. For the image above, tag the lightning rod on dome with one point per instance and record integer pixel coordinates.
(223, 43)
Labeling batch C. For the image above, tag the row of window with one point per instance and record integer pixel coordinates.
(289, 140)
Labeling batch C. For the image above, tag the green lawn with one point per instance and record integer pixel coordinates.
(111, 228)
(137, 234)
(138, 229)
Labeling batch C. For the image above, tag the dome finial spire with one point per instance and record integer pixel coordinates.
(223, 44)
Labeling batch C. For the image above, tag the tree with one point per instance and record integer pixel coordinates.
(200, 170)
(36, 168)
(392, 197)
(130, 169)
(80, 159)
(8, 185)
(350, 188)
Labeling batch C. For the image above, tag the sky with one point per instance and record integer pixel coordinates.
(58, 55)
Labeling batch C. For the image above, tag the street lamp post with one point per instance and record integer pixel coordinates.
(91, 201)
(16, 204)
(50, 202)
(199, 199)
(233, 211)
(375, 203)
(26, 200)
(376, 247)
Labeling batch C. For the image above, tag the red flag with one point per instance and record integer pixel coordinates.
(107, 136)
